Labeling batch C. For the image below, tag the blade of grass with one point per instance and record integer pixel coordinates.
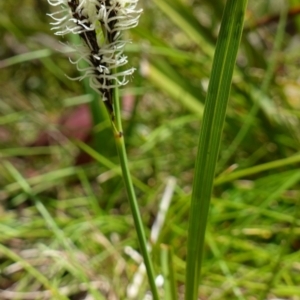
(256, 169)
(210, 137)
(39, 179)
(167, 264)
(25, 151)
(38, 54)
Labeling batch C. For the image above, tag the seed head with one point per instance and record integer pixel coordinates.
(99, 24)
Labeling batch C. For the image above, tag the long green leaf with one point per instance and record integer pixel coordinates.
(210, 137)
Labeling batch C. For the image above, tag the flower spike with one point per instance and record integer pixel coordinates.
(99, 24)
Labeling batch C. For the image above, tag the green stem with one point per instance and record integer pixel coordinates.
(120, 144)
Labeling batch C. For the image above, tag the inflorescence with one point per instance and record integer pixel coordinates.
(99, 24)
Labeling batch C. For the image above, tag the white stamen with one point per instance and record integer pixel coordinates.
(96, 22)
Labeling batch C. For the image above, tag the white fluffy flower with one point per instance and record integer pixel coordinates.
(99, 24)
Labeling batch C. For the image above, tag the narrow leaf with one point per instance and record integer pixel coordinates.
(210, 137)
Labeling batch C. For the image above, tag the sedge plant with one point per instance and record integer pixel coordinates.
(99, 24)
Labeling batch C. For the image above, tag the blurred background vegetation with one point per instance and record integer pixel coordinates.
(64, 218)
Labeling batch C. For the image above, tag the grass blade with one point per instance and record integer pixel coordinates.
(167, 265)
(210, 137)
(258, 168)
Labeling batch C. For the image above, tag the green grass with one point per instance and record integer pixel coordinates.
(66, 227)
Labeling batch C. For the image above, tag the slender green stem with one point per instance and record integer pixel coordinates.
(120, 143)
(210, 138)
